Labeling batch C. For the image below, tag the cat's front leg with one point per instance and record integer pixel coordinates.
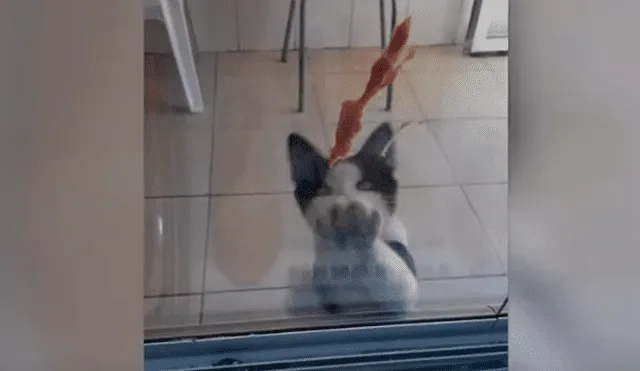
(392, 282)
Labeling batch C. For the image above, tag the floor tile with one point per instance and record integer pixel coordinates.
(319, 61)
(178, 144)
(436, 295)
(256, 160)
(432, 58)
(445, 58)
(459, 94)
(333, 89)
(498, 63)
(177, 154)
(164, 92)
(500, 66)
(259, 64)
(445, 236)
(343, 61)
(490, 204)
(264, 101)
(255, 241)
(244, 306)
(172, 311)
(463, 292)
(175, 244)
(420, 159)
(476, 149)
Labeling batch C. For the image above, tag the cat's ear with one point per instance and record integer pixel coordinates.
(305, 161)
(380, 143)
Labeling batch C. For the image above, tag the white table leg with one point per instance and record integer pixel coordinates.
(175, 20)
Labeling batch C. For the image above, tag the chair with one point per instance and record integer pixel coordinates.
(173, 14)
(301, 48)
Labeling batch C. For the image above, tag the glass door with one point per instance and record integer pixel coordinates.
(252, 238)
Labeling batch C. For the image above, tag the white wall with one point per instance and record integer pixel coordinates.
(223, 25)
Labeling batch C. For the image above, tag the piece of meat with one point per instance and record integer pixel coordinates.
(383, 71)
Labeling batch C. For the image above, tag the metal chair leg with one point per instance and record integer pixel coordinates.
(383, 36)
(287, 33)
(176, 22)
(301, 58)
(394, 15)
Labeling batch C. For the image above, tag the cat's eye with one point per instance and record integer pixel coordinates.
(365, 185)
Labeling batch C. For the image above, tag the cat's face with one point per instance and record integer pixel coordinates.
(355, 195)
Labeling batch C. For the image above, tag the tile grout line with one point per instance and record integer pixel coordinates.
(288, 287)
(427, 123)
(429, 127)
(216, 87)
(162, 197)
(462, 187)
(288, 192)
(208, 218)
(471, 120)
(483, 226)
(323, 119)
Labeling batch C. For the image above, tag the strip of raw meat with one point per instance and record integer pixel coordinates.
(383, 71)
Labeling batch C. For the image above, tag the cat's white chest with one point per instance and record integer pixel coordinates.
(350, 277)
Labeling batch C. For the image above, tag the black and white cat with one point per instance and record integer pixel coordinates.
(362, 258)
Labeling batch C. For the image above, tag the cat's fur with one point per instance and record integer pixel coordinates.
(362, 258)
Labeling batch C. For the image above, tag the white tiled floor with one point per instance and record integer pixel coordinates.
(249, 161)
(176, 231)
(223, 232)
(490, 204)
(475, 148)
(332, 89)
(177, 145)
(459, 94)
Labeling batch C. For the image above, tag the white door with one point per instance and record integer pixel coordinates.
(489, 26)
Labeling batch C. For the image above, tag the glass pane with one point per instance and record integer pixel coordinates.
(249, 228)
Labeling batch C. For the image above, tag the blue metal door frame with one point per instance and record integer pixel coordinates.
(472, 344)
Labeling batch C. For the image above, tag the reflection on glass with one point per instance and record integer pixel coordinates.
(248, 227)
